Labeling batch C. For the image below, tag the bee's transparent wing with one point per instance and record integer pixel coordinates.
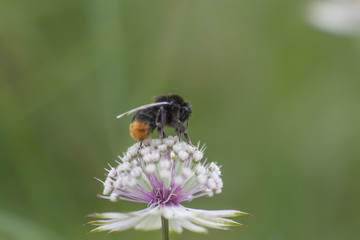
(142, 108)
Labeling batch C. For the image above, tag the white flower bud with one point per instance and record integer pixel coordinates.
(147, 158)
(198, 156)
(112, 173)
(144, 151)
(136, 172)
(150, 168)
(177, 147)
(120, 168)
(127, 166)
(200, 169)
(113, 197)
(183, 155)
(186, 172)
(133, 150)
(162, 147)
(155, 156)
(107, 189)
(134, 163)
(169, 142)
(178, 180)
(214, 168)
(164, 164)
(119, 182)
(156, 142)
(108, 182)
(125, 159)
(131, 182)
(190, 149)
(211, 183)
(214, 175)
(183, 145)
(164, 174)
(202, 178)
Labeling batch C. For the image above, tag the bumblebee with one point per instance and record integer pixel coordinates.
(167, 110)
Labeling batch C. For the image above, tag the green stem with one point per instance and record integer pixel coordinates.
(165, 228)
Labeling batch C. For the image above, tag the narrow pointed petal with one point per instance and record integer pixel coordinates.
(111, 215)
(219, 213)
(118, 225)
(191, 226)
(175, 226)
(220, 223)
(150, 222)
(207, 223)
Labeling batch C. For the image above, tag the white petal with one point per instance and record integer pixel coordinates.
(219, 223)
(207, 223)
(217, 213)
(182, 212)
(150, 222)
(191, 226)
(118, 221)
(175, 227)
(110, 215)
(120, 225)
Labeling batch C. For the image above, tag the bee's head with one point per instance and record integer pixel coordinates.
(185, 111)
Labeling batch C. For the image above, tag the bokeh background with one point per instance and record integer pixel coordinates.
(276, 101)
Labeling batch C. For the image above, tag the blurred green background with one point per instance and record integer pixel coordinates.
(276, 101)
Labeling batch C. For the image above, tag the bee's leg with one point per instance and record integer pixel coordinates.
(187, 137)
(183, 130)
(186, 134)
(161, 133)
(179, 134)
(160, 122)
(138, 151)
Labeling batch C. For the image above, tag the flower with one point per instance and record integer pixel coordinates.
(163, 173)
(335, 16)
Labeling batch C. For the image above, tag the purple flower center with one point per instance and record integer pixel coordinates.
(166, 196)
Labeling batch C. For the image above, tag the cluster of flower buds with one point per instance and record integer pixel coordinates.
(162, 172)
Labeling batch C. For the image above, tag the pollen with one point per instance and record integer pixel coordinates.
(139, 130)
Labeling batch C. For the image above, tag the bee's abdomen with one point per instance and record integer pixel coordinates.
(139, 130)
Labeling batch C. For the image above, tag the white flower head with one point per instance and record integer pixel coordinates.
(335, 16)
(167, 173)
